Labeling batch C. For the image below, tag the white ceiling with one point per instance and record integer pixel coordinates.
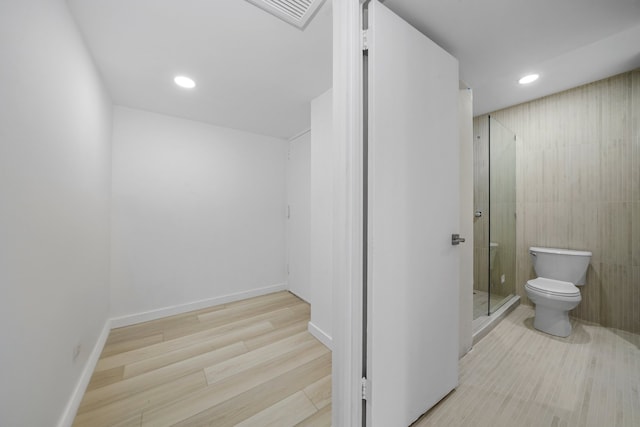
(257, 73)
(567, 42)
(253, 71)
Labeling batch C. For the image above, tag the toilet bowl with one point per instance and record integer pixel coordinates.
(553, 300)
(555, 291)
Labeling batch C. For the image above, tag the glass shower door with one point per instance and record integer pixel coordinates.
(502, 215)
(481, 217)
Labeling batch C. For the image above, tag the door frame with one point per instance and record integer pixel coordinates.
(347, 214)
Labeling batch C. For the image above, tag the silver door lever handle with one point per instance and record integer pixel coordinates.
(456, 239)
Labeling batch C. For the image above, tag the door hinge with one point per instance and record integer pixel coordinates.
(365, 41)
(364, 388)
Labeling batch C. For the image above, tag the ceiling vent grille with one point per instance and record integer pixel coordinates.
(295, 12)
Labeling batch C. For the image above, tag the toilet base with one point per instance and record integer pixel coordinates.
(552, 321)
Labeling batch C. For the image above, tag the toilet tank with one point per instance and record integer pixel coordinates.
(561, 264)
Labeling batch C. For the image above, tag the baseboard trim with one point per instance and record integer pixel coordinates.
(303, 299)
(71, 409)
(320, 335)
(132, 319)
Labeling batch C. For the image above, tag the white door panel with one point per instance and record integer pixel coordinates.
(413, 208)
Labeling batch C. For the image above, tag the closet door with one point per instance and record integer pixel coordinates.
(412, 212)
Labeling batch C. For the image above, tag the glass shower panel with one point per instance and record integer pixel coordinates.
(502, 215)
(481, 217)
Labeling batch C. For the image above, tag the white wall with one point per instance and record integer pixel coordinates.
(198, 213)
(55, 124)
(299, 218)
(322, 158)
(465, 118)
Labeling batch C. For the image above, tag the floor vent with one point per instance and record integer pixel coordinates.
(295, 12)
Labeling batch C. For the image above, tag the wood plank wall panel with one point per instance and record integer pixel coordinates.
(578, 179)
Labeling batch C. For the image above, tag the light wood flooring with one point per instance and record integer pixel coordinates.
(248, 363)
(517, 376)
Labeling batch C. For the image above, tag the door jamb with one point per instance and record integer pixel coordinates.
(347, 214)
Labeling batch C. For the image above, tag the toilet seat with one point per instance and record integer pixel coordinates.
(553, 287)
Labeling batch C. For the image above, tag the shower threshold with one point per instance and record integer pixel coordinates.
(484, 324)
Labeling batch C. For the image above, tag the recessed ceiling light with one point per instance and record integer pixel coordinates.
(528, 79)
(185, 82)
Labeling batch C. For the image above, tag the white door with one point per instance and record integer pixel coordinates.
(413, 209)
(299, 216)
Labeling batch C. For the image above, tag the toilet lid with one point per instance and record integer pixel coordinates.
(554, 287)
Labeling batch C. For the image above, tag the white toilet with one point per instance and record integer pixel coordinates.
(554, 292)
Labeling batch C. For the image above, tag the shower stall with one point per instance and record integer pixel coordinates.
(494, 252)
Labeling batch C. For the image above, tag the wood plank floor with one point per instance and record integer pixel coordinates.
(248, 363)
(518, 376)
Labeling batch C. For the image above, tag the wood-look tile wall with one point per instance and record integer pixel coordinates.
(578, 187)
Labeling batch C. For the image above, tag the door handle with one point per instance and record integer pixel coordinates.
(456, 239)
